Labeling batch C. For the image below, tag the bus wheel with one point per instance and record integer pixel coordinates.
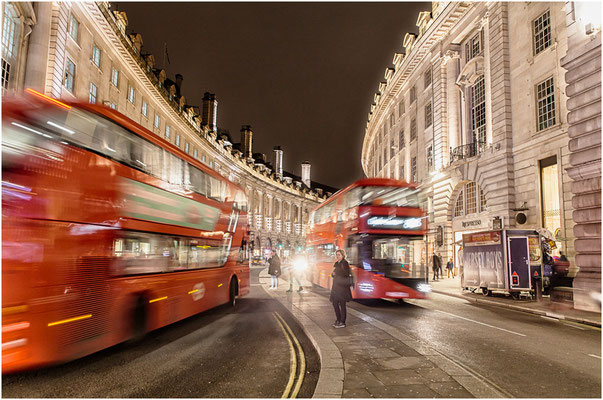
(139, 320)
(486, 292)
(233, 292)
(515, 295)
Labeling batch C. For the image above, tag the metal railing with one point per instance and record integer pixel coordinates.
(467, 151)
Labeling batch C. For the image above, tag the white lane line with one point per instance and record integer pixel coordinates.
(596, 356)
(573, 326)
(549, 318)
(481, 323)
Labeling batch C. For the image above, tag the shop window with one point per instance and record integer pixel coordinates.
(549, 184)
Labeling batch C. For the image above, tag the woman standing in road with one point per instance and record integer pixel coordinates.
(340, 291)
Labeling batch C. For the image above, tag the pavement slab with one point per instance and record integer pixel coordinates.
(451, 389)
(403, 391)
(361, 380)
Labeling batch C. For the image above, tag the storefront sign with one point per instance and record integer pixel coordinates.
(473, 224)
(481, 238)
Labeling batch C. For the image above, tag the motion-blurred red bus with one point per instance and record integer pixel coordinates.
(108, 231)
(379, 224)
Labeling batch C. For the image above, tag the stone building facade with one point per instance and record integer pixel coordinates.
(84, 51)
(475, 110)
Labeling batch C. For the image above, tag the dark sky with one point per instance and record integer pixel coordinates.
(303, 75)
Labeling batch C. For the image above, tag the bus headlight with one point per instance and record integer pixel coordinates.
(424, 287)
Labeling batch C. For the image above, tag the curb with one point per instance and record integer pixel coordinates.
(524, 309)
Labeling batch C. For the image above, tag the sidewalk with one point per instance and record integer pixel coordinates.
(370, 358)
(452, 287)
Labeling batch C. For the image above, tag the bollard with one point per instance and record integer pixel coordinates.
(538, 288)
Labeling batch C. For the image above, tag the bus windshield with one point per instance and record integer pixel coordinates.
(382, 196)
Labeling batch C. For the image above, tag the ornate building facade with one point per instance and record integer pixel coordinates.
(84, 51)
(475, 109)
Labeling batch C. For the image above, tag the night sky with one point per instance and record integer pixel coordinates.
(303, 75)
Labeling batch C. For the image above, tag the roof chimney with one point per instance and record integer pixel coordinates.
(306, 173)
(246, 141)
(278, 161)
(209, 114)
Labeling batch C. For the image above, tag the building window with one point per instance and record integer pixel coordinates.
(428, 116)
(392, 152)
(145, 109)
(9, 31)
(5, 74)
(74, 28)
(196, 153)
(392, 120)
(93, 93)
(178, 140)
(482, 201)
(542, 32)
(413, 169)
(402, 171)
(478, 111)
(549, 186)
(168, 131)
(474, 46)
(427, 78)
(401, 109)
(96, 55)
(413, 129)
(113, 106)
(430, 158)
(186, 147)
(131, 94)
(69, 75)
(157, 123)
(458, 206)
(115, 77)
(385, 153)
(401, 139)
(413, 95)
(545, 99)
(471, 206)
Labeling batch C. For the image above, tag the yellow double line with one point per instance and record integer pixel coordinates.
(291, 339)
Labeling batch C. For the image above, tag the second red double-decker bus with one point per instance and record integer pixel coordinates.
(380, 225)
(108, 231)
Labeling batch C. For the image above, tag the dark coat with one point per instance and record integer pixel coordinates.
(341, 282)
(274, 267)
(437, 262)
(449, 265)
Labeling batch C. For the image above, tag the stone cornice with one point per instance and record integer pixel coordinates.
(444, 22)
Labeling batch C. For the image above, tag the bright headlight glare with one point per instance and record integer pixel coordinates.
(424, 287)
(299, 264)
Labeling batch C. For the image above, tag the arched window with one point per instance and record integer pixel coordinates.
(459, 210)
(471, 200)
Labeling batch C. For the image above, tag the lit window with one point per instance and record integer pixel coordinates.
(115, 77)
(413, 95)
(168, 130)
(145, 109)
(428, 116)
(542, 32)
(545, 99)
(471, 198)
(478, 111)
(178, 140)
(93, 93)
(69, 75)
(427, 78)
(413, 129)
(96, 55)
(131, 94)
(74, 28)
(157, 121)
(9, 31)
(549, 182)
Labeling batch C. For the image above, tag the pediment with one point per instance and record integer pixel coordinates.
(471, 72)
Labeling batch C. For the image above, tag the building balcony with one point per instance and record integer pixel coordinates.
(467, 151)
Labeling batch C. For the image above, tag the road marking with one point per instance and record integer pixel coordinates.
(596, 356)
(573, 326)
(293, 360)
(481, 323)
(549, 318)
(302, 359)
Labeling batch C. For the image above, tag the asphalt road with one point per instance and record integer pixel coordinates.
(220, 353)
(521, 354)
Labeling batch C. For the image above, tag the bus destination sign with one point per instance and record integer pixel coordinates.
(398, 223)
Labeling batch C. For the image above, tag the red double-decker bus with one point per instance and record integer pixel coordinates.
(379, 224)
(108, 231)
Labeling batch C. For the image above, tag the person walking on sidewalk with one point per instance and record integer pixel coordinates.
(450, 267)
(436, 266)
(340, 291)
(274, 269)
